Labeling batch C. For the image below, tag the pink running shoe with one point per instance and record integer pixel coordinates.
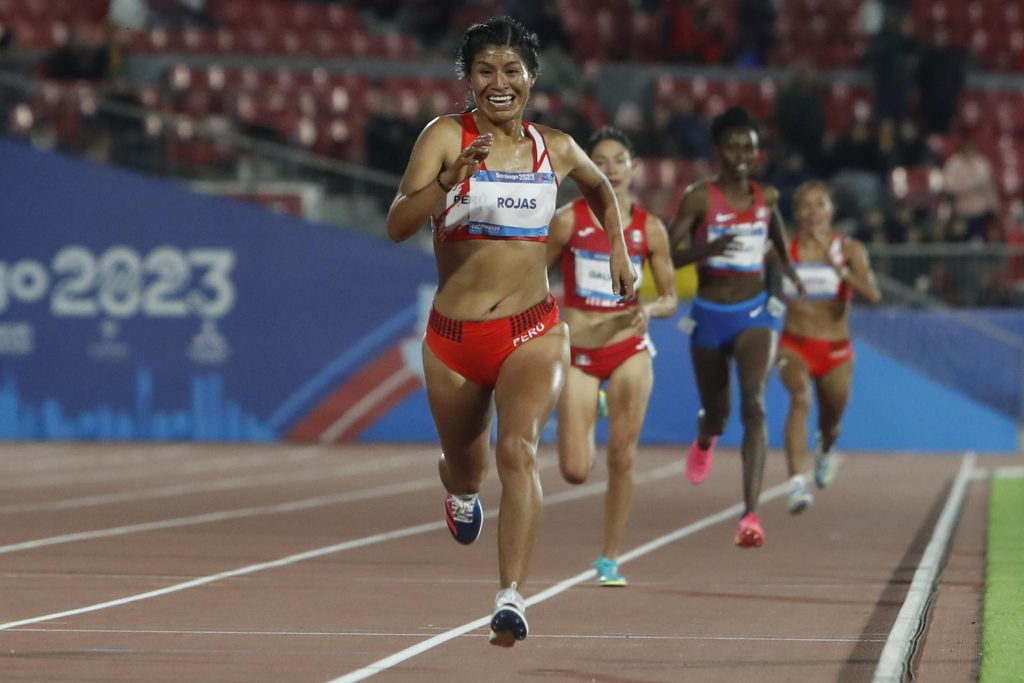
(749, 534)
(698, 462)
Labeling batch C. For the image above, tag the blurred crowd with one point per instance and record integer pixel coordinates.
(907, 162)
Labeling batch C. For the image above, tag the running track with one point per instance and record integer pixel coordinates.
(284, 563)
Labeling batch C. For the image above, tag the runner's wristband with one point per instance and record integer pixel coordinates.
(442, 185)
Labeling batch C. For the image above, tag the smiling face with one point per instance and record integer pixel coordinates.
(615, 161)
(501, 82)
(737, 153)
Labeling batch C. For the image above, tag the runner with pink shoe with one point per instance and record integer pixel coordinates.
(726, 226)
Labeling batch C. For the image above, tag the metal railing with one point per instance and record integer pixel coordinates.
(957, 274)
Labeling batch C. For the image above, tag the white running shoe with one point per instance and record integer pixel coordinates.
(799, 497)
(824, 468)
(508, 623)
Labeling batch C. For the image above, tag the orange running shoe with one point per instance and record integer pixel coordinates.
(749, 534)
(698, 462)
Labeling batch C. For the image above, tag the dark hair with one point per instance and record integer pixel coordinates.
(807, 186)
(498, 31)
(610, 133)
(728, 121)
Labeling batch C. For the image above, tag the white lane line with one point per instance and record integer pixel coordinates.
(894, 660)
(210, 517)
(398, 634)
(241, 571)
(87, 457)
(145, 470)
(272, 478)
(591, 489)
(381, 665)
(238, 513)
(1009, 472)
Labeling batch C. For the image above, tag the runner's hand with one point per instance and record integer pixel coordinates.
(468, 162)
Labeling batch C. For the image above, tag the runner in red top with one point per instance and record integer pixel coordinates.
(495, 284)
(815, 354)
(608, 337)
(725, 226)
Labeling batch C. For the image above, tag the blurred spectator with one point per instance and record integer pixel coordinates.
(560, 70)
(857, 148)
(179, 13)
(969, 180)
(84, 55)
(858, 168)
(870, 229)
(9, 97)
(787, 173)
(901, 144)
(647, 128)
(900, 224)
(709, 33)
(379, 10)
(756, 19)
(890, 57)
(133, 15)
(799, 115)
(543, 18)
(389, 135)
(678, 21)
(429, 20)
(121, 119)
(869, 18)
(688, 130)
(940, 77)
(569, 117)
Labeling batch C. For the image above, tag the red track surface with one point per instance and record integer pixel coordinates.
(816, 603)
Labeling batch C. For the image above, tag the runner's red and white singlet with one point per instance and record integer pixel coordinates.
(494, 205)
(746, 256)
(586, 274)
(820, 279)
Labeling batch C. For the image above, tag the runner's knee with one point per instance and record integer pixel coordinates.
(752, 410)
(515, 454)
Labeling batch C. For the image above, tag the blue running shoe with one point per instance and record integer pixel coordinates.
(608, 572)
(508, 623)
(465, 517)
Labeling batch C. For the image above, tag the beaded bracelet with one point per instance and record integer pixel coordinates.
(441, 185)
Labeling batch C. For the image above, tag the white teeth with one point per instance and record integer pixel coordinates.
(504, 99)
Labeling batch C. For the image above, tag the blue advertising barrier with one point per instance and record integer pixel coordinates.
(131, 308)
(893, 406)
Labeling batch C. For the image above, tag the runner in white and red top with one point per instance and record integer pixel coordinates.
(725, 227)
(815, 355)
(608, 337)
(494, 344)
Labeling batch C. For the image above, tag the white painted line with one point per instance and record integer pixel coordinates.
(381, 665)
(225, 463)
(894, 660)
(224, 515)
(399, 634)
(1008, 472)
(591, 489)
(271, 478)
(54, 457)
(241, 571)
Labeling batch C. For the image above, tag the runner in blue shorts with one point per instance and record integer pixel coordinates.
(727, 226)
